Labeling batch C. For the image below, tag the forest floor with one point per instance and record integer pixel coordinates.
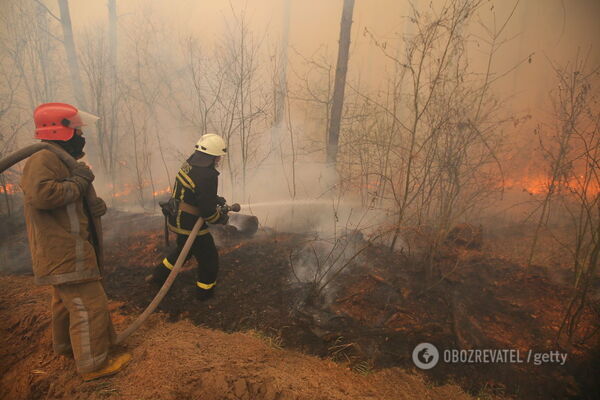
(178, 360)
(266, 335)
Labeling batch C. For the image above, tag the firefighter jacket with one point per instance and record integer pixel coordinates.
(57, 223)
(196, 186)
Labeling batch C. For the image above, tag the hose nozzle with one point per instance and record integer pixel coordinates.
(235, 207)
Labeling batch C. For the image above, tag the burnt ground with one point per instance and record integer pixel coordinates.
(376, 311)
(373, 314)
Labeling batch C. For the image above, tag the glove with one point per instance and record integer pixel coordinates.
(81, 183)
(83, 171)
(98, 208)
(221, 201)
(223, 219)
(82, 176)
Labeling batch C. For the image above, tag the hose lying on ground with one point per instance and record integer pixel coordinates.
(166, 286)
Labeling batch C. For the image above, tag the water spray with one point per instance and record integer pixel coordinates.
(286, 203)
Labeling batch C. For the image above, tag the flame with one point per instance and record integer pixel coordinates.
(9, 188)
(531, 185)
(127, 189)
(163, 191)
(124, 190)
(541, 185)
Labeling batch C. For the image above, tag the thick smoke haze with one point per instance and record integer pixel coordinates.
(177, 64)
(554, 30)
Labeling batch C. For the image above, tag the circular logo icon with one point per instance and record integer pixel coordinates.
(425, 355)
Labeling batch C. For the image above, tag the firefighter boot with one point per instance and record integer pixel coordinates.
(160, 274)
(113, 365)
(204, 294)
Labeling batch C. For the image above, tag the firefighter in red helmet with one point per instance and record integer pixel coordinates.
(58, 225)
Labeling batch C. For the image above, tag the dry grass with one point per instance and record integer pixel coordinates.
(183, 361)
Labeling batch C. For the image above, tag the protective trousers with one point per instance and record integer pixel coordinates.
(207, 257)
(81, 324)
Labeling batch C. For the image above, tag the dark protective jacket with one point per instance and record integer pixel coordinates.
(196, 185)
(57, 223)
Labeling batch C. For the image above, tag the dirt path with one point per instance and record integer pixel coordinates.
(180, 361)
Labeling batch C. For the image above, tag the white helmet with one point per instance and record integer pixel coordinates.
(212, 144)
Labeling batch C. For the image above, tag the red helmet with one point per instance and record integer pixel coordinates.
(57, 121)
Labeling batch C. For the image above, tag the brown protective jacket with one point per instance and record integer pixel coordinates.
(57, 223)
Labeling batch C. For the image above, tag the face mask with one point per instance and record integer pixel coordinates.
(74, 146)
(199, 159)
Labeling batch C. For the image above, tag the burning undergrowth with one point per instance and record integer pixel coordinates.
(361, 304)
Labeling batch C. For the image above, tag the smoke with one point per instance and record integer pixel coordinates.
(323, 262)
(313, 25)
(180, 75)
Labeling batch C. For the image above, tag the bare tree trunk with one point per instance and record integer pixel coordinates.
(281, 91)
(45, 90)
(340, 82)
(112, 53)
(112, 35)
(292, 148)
(72, 61)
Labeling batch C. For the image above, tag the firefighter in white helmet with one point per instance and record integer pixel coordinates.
(195, 195)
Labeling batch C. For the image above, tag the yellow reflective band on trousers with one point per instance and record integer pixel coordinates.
(167, 264)
(206, 286)
(80, 320)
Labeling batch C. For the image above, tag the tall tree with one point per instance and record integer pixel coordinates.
(337, 105)
(281, 91)
(72, 60)
(112, 122)
(112, 34)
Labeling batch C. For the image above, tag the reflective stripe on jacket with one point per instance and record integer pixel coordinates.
(57, 223)
(196, 186)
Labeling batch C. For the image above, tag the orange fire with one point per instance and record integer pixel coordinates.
(540, 185)
(163, 191)
(9, 188)
(530, 185)
(128, 188)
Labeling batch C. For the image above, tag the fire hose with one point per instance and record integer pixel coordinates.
(172, 275)
(90, 196)
(165, 287)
